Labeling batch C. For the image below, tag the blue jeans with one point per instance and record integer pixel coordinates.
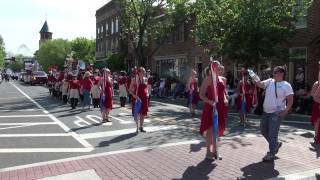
(86, 98)
(270, 126)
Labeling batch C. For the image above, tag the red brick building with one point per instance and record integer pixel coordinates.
(180, 53)
(304, 46)
(107, 30)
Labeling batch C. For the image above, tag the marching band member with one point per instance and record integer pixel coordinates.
(74, 91)
(64, 89)
(96, 91)
(193, 91)
(107, 94)
(244, 99)
(138, 89)
(86, 87)
(150, 83)
(212, 98)
(315, 116)
(123, 88)
(222, 107)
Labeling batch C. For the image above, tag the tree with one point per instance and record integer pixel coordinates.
(18, 64)
(142, 22)
(247, 31)
(114, 62)
(84, 49)
(2, 51)
(53, 53)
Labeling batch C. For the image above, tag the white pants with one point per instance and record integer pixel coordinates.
(74, 93)
(123, 91)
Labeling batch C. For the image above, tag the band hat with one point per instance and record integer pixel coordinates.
(87, 74)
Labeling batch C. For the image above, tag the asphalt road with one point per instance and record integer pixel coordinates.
(35, 127)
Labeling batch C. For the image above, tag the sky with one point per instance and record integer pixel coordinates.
(21, 21)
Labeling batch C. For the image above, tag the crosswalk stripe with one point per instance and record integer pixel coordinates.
(126, 131)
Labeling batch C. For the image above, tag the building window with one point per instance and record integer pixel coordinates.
(107, 28)
(112, 26)
(117, 25)
(302, 19)
(98, 34)
(298, 53)
(101, 31)
(180, 33)
(297, 68)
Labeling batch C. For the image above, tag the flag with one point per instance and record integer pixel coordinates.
(215, 116)
(255, 96)
(137, 103)
(190, 98)
(243, 99)
(103, 97)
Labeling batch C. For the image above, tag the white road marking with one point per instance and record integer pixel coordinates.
(98, 120)
(121, 120)
(23, 116)
(311, 174)
(42, 150)
(31, 123)
(126, 131)
(177, 106)
(63, 126)
(99, 154)
(79, 175)
(20, 110)
(35, 135)
(15, 127)
(12, 98)
(297, 122)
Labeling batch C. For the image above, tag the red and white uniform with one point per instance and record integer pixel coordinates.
(74, 89)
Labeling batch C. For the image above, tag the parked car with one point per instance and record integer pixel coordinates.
(38, 77)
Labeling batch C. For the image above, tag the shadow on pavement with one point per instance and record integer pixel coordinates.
(315, 148)
(197, 147)
(85, 127)
(117, 139)
(260, 170)
(200, 171)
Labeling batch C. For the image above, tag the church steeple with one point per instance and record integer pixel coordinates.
(45, 34)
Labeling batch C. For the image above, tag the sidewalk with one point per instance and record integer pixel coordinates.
(241, 160)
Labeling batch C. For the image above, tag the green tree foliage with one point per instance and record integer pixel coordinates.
(53, 53)
(84, 49)
(2, 51)
(115, 62)
(18, 64)
(247, 31)
(145, 19)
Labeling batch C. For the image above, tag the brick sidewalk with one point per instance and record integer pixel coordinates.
(241, 160)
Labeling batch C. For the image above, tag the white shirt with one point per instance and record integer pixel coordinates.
(271, 103)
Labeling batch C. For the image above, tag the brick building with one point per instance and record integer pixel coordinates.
(180, 53)
(304, 46)
(107, 30)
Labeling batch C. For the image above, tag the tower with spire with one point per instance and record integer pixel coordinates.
(45, 34)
